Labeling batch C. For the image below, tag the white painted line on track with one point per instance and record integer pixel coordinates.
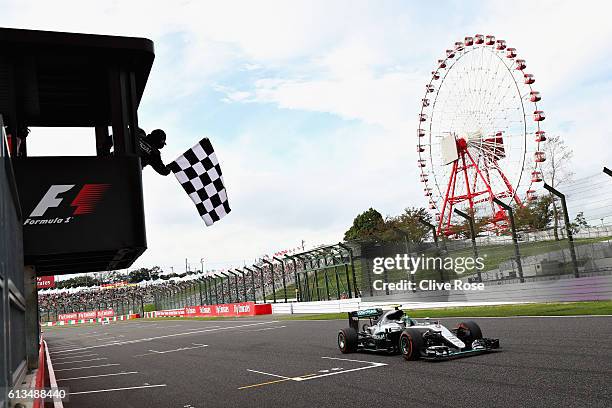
(94, 335)
(267, 328)
(96, 376)
(372, 365)
(75, 356)
(121, 343)
(118, 389)
(323, 372)
(81, 368)
(61, 348)
(82, 361)
(270, 374)
(197, 346)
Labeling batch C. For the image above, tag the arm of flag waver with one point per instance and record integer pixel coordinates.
(200, 175)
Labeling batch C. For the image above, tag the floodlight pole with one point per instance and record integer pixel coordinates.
(252, 282)
(229, 287)
(204, 279)
(244, 289)
(216, 292)
(282, 263)
(263, 283)
(200, 290)
(472, 233)
(517, 254)
(235, 285)
(568, 228)
(350, 254)
(296, 279)
(434, 233)
(272, 273)
(432, 228)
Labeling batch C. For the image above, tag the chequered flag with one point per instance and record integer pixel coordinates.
(199, 173)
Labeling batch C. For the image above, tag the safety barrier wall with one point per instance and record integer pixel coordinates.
(96, 320)
(223, 310)
(560, 290)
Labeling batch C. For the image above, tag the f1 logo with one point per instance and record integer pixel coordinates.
(85, 201)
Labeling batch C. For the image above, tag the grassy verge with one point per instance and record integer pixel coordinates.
(531, 309)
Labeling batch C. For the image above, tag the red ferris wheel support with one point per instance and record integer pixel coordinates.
(468, 168)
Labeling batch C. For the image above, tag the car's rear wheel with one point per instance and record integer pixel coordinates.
(347, 340)
(470, 332)
(411, 344)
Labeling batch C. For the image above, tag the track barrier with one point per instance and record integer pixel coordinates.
(67, 322)
(222, 310)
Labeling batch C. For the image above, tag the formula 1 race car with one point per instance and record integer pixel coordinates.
(394, 332)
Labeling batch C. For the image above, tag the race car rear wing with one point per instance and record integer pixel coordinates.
(363, 314)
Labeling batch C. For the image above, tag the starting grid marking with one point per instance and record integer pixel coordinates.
(147, 339)
(195, 346)
(313, 376)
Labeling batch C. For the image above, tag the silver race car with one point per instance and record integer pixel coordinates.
(394, 332)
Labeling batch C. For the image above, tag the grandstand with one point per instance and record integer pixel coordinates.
(323, 273)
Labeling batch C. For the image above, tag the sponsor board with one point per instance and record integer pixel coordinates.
(96, 320)
(89, 205)
(45, 282)
(227, 310)
(86, 315)
(170, 313)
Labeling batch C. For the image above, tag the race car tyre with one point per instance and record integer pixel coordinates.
(411, 343)
(347, 340)
(472, 332)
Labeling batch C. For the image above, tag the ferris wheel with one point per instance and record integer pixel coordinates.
(479, 134)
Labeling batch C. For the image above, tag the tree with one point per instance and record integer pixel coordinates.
(556, 170)
(367, 225)
(535, 216)
(580, 223)
(463, 230)
(408, 225)
(144, 274)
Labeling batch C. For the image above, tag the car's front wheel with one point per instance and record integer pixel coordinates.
(347, 340)
(470, 331)
(411, 344)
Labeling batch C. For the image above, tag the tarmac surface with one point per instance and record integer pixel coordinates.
(254, 362)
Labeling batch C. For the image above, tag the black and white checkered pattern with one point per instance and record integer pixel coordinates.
(199, 173)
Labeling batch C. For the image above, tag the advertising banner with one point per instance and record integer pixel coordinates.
(116, 285)
(45, 282)
(170, 313)
(226, 310)
(78, 208)
(86, 315)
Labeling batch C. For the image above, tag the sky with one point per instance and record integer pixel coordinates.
(312, 105)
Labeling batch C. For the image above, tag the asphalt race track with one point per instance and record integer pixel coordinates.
(556, 362)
